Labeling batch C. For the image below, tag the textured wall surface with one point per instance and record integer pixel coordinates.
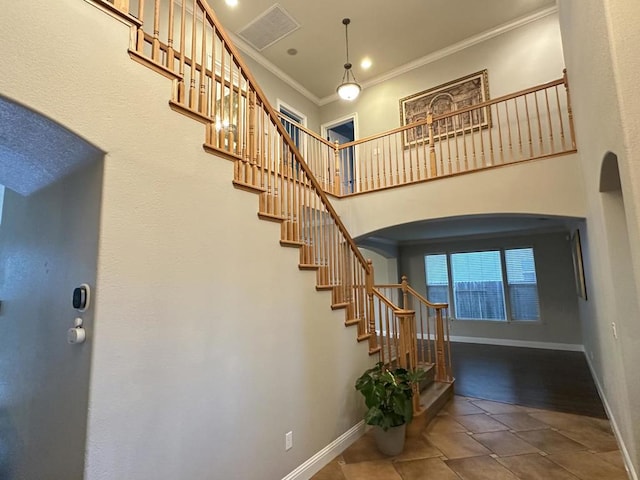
(598, 39)
(546, 187)
(209, 343)
(518, 59)
(48, 246)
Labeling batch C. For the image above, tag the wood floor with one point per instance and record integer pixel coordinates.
(548, 379)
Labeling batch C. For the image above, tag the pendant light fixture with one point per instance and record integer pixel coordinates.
(349, 88)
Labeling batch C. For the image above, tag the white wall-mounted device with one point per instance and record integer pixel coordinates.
(77, 334)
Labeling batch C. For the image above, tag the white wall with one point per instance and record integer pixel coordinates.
(275, 89)
(385, 269)
(48, 246)
(518, 59)
(599, 42)
(559, 319)
(209, 343)
(547, 187)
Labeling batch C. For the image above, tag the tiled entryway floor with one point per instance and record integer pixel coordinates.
(475, 439)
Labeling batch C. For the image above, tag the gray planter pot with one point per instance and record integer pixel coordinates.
(390, 442)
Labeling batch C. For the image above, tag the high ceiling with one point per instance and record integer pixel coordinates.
(393, 34)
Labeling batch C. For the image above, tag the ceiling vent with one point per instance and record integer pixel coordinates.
(273, 25)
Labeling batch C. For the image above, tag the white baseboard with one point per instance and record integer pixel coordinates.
(312, 466)
(616, 431)
(570, 347)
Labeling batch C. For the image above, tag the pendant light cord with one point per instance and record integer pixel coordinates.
(346, 23)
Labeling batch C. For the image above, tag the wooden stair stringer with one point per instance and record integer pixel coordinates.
(268, 208)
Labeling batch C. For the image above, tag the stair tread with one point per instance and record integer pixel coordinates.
(271, 217)
(324, 287)
(433, 393)
(352, 321)
(432, 399)
(308, 266)
(363, 337)
(338, 306)
(219, 152)
(247, 187)
(153, 65)
(373, 351)
(291, 243)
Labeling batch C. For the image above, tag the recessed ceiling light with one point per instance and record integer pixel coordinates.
(231, 3)
(292, 51)
(366, 63)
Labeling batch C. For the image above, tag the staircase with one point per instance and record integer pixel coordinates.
(212, 85)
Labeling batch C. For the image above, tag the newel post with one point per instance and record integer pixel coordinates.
(432, 147)
(371, 313)
(404, 285)
(337, 184)
(569, 109)
(408, 348)
(441, 362)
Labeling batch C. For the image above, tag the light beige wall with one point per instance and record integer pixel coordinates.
(48, 246)
(385, 269)
(559, 319)
(275, 89)
(209, 343)
(546, 187)
(518, 59)
(599, 42)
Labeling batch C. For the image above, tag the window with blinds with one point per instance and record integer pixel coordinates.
(522, 284)
(498, 285)
(478, 289)
(437, 278)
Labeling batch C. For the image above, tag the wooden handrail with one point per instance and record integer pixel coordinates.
(477, 106)
(287, 139)
(213, 85)
(497, 132)
(385, 300)
(432, 327)
(311, 133)
(413, 292)
(425, 301)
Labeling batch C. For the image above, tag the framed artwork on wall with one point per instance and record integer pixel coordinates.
(446, 98)
(578, 265)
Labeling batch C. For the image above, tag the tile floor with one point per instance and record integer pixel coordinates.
(482, 440)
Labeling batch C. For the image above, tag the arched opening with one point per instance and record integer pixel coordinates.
(625, 311)
(48, 245)
(609, 173)
(514, 319)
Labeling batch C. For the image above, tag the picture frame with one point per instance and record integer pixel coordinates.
(578, 265)
(457, 94)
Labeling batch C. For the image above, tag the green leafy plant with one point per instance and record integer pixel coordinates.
(387, 394)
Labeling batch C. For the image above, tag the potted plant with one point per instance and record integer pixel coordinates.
(387, 394)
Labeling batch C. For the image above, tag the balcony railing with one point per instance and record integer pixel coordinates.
(530, 124)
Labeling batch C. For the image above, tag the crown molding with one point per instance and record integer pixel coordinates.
(450, 50)
(254, 54)
(432, 57)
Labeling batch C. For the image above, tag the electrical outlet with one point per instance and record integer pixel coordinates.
(288, 440)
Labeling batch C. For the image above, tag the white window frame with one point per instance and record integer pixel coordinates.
(303, 121)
